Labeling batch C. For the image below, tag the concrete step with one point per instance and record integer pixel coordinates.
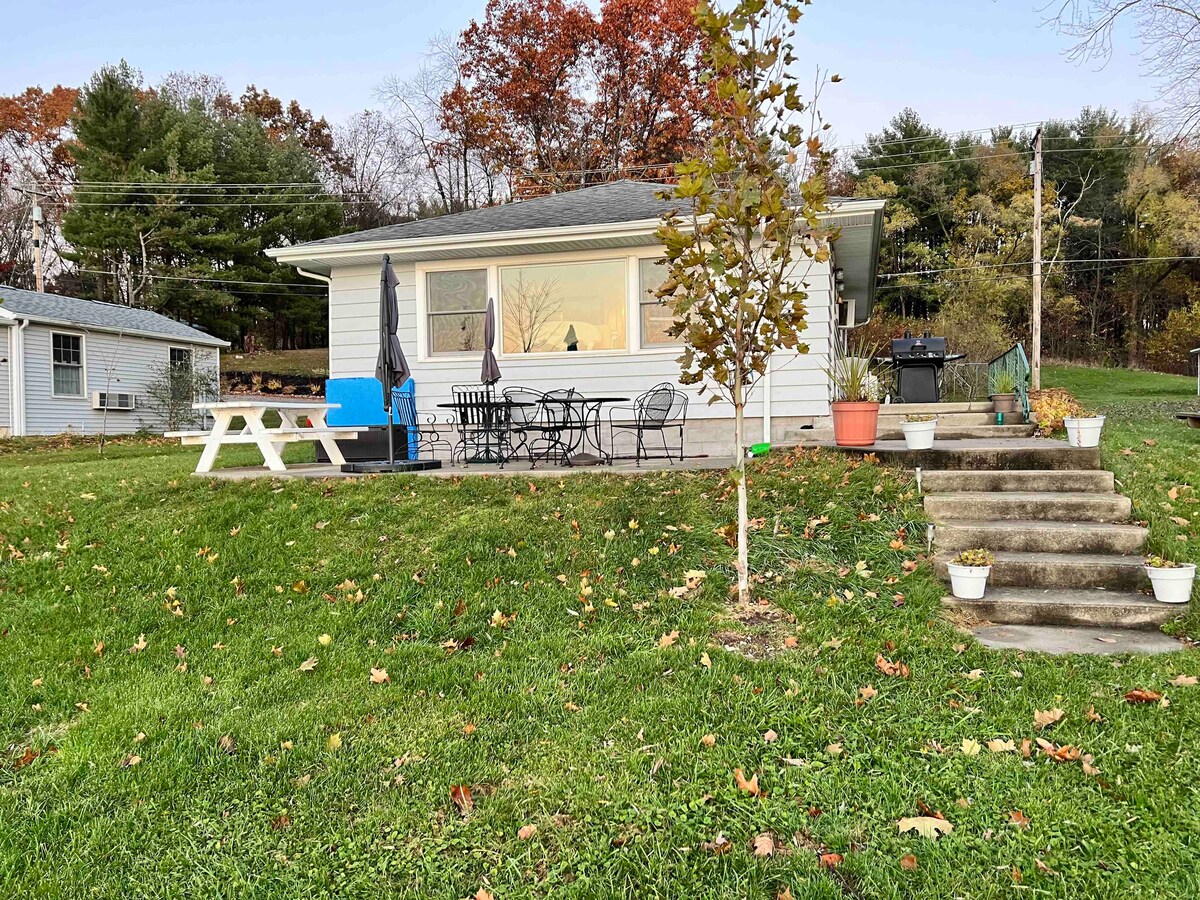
(1065, 640)
(943, 481)
(1064, 606)
(886, 431)
(934, 409)
(1059, 570)
(1007, 454)
(1060, 506)
(1031, 536)
(944, 420)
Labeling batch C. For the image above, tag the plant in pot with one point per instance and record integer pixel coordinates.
(919, 431)
(856, 411)
(1004, 397)
(1083, 429)
(969, 572)
(1172, 581)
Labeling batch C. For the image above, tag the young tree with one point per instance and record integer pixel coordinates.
(732, 278)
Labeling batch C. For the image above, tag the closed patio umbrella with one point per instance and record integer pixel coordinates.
(491, 368)
(392, 368)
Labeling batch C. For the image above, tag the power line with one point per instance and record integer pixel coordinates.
(1082, 259)
(206, 280)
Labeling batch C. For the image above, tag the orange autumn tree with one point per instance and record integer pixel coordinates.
(571, 97)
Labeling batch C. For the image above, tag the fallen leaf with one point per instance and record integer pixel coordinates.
(227, 744)
(1183, 681)
(975, 674)
(1181, 521)
(461, 795)
(324, 640)
(281, 822)
(308, 665)
(1138, 695)
(380, 676)
(926, 826)
(1018, 818)
(1042, 867)
(130, 760)
(763, 844)
(708, 740)
(525, 832)
(834, 749)
(481, 894)
(334, 741)
(866, 693)
(970, 747)
(718, 845)
(1150, 442)
(887, 667)
(770, 736)
(667, 640)
(705, 661)
(829, 860)
(1093, 716)
(469, 729)
(996, 745)
(1044, 718)
(908, 863)
(140, 645)
(750, 787)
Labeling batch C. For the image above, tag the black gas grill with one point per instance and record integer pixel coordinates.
(918, 362)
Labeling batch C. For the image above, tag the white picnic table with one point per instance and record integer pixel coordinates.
(270, 441)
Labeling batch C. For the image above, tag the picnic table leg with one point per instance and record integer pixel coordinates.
(212, 443)
(332, 450)
(266, 446)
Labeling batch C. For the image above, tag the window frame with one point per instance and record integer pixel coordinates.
(645, 300)
(631, 258)
(424, 314)
(82, 366)
(190, 351)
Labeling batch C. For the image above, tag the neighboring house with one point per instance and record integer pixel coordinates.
(570, 274)
(70, 365)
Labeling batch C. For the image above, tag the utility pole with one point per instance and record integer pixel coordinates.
(1035, 355)
(37, 235)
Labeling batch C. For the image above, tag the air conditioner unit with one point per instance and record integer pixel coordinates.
(106, 400)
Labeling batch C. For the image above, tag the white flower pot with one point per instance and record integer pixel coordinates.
(968, 582)
(919, 435)
(1172, 585)
(1084, 432)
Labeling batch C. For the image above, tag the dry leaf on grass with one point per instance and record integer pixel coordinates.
(1044, 718)
(718, 845)
(461, 795)
(749, 786)
(929, 827)
(763, 844)
(770, 736)
(1138, 695)
(1183, 681)
(1018, 818)
(708, 740)
(887, 667)
(380, 676)
(668, 639)
(996, 745)
(308, 665)
(525, 832)
(908, 862)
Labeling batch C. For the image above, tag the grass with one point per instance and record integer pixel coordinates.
(303, 363)
(528, 632)
(1153, 454)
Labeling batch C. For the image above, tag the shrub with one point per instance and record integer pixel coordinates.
(1050, 406)
(977, 558)
(1168, 350)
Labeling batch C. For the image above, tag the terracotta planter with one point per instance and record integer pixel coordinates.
(855, 424)
(1004, 403)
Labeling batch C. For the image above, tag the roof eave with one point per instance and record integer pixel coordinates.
(203, 340)
(305, 253)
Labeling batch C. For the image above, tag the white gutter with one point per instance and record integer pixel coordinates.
(315, 276)
(16, 380)
(201, 340)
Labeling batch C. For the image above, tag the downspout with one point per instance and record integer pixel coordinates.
(16, 380)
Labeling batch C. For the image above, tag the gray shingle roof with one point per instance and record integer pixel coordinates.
(100, 315)
(604, 204)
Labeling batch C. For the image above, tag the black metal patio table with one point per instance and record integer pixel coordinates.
(585, 432)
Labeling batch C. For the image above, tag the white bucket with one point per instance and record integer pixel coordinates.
(1084, 432)
(968, 582)
(1172, 585)
(919, 435)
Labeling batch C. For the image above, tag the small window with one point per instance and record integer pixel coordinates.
(67, 365)
(456, 303)
(181, 358)
(656, 315)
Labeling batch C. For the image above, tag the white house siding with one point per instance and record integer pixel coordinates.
(112, 362)
(6, 368)
(799, 386)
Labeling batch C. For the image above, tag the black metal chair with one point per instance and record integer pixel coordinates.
(660, 410)
(524, 420)
(424, 430)
(482, 421)
(554, 426)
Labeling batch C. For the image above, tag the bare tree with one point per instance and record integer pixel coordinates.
(1169, 32)
(382, 170)
(529, 308)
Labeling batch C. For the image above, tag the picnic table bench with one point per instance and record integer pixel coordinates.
(299, 421)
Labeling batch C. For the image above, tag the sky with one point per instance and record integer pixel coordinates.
(962, 64)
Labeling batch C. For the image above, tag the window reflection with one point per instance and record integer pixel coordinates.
(563, 307)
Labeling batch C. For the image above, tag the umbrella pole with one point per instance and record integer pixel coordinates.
(391, 438)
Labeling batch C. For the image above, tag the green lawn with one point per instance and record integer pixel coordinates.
(305, 363)
(543, 648)
(1155, 456)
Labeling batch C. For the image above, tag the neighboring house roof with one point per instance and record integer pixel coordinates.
(55, 309)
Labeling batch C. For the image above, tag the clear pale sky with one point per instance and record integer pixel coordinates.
(962, 64)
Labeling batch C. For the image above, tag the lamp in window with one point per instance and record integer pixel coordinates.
(571, 339)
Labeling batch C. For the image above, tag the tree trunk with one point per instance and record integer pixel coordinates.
(743, 537)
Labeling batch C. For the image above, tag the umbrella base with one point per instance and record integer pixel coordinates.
(381, 467)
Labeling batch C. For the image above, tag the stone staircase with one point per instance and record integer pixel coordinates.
(1065, 555)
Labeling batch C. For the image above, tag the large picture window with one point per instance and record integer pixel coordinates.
(564, 307)
(656, 315)
(456, 303)
(67, 364)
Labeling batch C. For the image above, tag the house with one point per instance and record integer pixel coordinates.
(71, 365)
(570, 273)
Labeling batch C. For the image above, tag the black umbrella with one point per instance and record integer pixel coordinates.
(392, 368)
(491, 368)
